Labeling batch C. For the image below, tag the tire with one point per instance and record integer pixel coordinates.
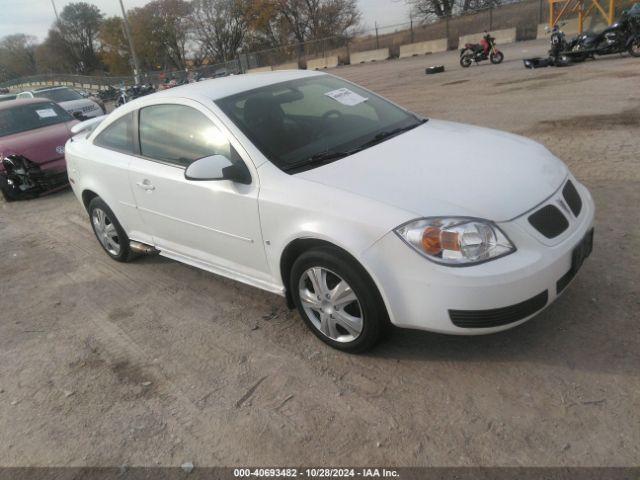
(465, 61)
(355, 319)
(114, 241)
(634, 47)
(434, 69)
(496, 58)
(8, 191)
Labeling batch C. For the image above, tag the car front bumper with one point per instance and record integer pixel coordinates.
(501, 293)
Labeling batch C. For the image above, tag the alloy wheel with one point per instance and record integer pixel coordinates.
(331, 305)
(105, 231)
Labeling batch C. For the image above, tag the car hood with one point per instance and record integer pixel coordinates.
(445, 168)
(40, 145)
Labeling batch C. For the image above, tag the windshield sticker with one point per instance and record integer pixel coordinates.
(46, 113)
(346, 97)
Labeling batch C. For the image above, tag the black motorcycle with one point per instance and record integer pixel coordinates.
(134, 91)
(485, 50)
(559, 45)
(108, 94)
(622, 36)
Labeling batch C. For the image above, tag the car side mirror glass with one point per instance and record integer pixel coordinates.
(217, 167)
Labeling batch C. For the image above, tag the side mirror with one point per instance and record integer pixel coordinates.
(218, 167)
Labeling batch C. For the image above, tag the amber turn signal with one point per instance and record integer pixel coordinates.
(434, 240)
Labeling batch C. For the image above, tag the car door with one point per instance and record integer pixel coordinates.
(211, 224)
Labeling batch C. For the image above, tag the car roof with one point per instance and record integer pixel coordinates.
(22, 101)
(42, 89)
(217, 88)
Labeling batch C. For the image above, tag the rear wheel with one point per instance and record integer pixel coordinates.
(465, 61)
(496, 58)
(108, 231)
(338, 300)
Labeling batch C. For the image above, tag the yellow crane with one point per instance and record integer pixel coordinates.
(584, 8)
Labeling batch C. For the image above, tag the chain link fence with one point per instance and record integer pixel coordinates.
(522, 15)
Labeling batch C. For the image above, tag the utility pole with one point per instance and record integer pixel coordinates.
(127, 31)
(55, 10)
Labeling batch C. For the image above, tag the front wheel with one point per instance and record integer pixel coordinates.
(108, 231)
(634, 47)
(9, 192)
(496, 58)
(465, 61)
(338, 300)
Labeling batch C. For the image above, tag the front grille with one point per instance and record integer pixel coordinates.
(549, 221)
(572, 197)
(498, 316)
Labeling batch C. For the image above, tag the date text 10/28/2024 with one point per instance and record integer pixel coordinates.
(315, 472)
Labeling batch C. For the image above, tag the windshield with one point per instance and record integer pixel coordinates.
(59, 95)
(29, 117)
(300, 124)
(4, 98)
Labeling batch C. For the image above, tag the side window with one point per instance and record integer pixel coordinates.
(24, 95)
(179, 135)
(118, 136)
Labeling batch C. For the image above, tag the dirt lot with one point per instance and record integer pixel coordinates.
(154, 362)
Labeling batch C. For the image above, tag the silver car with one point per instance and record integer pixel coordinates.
(69, 99)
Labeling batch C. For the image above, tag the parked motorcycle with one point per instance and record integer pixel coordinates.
(108, 95)
(622, 36)
(485, 50)
(134, 91)
(556, 57)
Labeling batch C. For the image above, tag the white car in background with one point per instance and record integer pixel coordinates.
(361, 213)
(71, 100)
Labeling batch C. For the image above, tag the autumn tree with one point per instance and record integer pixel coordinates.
(281, 21)
(114, 49)
(429, 10)
(17, 56)
(161, 33)
(219, 27)
(54, 55)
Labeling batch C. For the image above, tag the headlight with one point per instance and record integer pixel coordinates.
(456, 241)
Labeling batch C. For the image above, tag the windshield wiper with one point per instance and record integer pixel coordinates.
(318, 158)
(329, 156)
(379, 137)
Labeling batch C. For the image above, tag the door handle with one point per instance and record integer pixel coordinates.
(146, 185)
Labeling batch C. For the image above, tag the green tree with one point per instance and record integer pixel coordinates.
(79, 25)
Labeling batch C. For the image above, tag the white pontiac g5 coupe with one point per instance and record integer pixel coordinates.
(361, 213)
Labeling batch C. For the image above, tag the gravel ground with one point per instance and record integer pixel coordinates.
(157, 363)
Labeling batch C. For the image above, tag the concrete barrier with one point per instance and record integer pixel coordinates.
(422, 48)
(369, 56)
(259, 69)
(324, 62)
(286, 66)
(502, 36)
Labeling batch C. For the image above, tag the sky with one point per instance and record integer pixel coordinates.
(34, 17)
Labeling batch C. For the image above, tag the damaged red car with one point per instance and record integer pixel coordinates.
(32, 137)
